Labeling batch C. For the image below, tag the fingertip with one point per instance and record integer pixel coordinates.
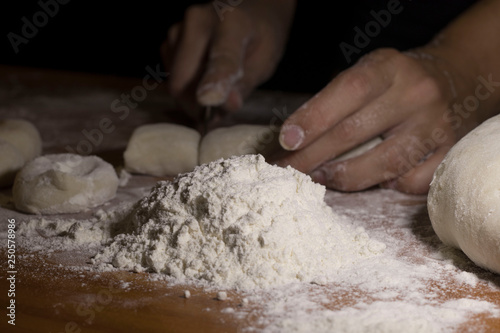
(413, 182)
(216, 86)
(291, 137)
(212, 94)
(339, 177)
(418, 180)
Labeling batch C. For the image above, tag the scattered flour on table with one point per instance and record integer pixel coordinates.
(238, 223)
(362, 287)
(379, 317)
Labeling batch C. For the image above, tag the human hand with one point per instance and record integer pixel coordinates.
(406, 98)
(216, 57)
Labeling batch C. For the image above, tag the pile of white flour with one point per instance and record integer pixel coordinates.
(238, 223)
(405, 288)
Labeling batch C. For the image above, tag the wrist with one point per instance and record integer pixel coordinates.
(473, 88)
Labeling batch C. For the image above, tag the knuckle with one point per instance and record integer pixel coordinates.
(346, 129)
(357, 82)
(427, 90)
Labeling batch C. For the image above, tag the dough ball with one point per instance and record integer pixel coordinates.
(22, 135)
(12, 160)
(464, 197)
(238, 140)
(162, 150)
(64, 183)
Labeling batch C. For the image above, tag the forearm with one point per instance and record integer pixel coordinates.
(470, 50)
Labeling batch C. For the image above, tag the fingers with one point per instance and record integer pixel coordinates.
(418, 179)
(260, 61)
(225, 64)
(376, 117)
(347, 93)
(394, 157)
(167, 48)
(190, 42)
(385, 93)
(217, 62)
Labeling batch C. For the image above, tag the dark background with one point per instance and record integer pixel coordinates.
(123, 38)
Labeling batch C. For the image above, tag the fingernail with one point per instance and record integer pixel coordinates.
(291, 137)
(319, 176)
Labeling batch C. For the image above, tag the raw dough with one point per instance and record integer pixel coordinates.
(12, 160)
(237, 140)
(22, 135)
(64, 183)
(464, 197)
(162, 150)
(20, 142)
(169, 149)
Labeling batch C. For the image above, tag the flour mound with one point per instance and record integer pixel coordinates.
(238, 223)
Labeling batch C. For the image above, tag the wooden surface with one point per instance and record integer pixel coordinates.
(51, 296)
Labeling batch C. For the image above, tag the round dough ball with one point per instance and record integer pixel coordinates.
(22, 135)
(64, 183)
(162, 150)
(238, 140)
(12, 160)
(464, 197)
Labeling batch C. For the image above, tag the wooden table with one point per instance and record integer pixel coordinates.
(52, 296)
